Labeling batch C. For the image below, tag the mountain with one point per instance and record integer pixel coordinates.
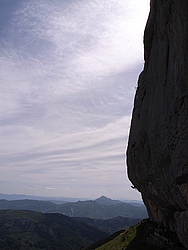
(157, 156)
(103, 200)
(33, 205)
(146, 235)
(110, 225)
(34, 230)
(93, 209)
(90, 209)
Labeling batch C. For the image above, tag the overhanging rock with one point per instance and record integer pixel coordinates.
(157, 154)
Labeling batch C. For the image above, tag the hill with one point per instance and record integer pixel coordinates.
(34, 230)
(33, 205)
(143, 236)
(110, 226)
(90, 209)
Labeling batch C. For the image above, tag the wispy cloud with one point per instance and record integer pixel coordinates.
(68, 75)
(50, 188)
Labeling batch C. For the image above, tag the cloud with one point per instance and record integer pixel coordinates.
(50, 188)
(68, 76)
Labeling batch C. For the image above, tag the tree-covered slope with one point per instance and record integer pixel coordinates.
(34, 230)
(110, 226)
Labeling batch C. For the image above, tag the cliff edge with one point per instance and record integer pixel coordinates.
(157, 153)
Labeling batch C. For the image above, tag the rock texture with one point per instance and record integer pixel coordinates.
(157, 154)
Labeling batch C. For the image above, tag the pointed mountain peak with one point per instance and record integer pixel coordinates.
(103, 200)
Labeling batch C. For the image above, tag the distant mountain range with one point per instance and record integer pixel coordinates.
(42, 224)
(59, 200)
(101, 208)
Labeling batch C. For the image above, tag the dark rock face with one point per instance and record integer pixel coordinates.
(157, 154)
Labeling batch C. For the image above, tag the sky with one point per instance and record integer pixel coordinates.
(68, 73)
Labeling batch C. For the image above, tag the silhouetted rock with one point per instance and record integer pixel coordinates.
(157, 154)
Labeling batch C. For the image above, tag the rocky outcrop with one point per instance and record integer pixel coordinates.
(157, 154)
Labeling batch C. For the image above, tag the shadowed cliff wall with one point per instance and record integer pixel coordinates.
(157, 154)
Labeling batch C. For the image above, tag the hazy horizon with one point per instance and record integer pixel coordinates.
(68, 75)
(11, 197)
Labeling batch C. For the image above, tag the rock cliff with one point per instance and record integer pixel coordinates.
(157, 154)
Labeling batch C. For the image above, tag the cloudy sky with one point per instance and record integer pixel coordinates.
(68, 72)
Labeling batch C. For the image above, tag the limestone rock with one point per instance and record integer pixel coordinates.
(157, 154)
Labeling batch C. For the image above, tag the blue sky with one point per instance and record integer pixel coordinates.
(68, 72)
